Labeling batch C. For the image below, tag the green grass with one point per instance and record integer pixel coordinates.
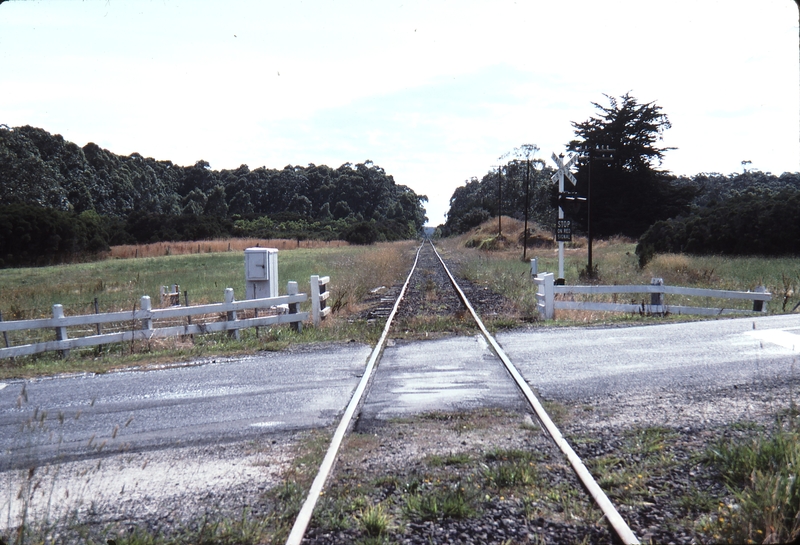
(456, 501)
(628, 482)
(759, 469)
(375, 520)
(208, 531)
(375, 506)
(511, 470)
(762, 474)
(452, 459)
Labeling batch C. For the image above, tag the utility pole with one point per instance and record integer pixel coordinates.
(589, 268)
(499, 202)
(526, 151)
(527, 205)
(600, 153)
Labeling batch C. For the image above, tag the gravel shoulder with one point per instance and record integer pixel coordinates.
(158, 490)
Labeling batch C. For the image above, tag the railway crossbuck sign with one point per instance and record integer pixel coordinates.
(563, 225)
(563, 170)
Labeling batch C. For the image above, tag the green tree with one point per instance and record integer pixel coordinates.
(216, 205)
(240, 204)
(147, 200)
(526, 189)
(628, 191)
(194, 203)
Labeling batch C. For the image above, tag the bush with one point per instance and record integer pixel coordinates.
(751, 223)
(31, 235)
(362, 233)
(145, 227)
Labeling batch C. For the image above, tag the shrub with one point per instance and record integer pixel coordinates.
(362, 233)
(32, 235)
(750, 223)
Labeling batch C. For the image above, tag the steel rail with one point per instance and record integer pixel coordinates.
(620, 526)
(304, 516)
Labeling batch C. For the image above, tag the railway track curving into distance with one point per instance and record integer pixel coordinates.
(436, 292)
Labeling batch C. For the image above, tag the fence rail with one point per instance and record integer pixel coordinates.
(547, 303)
(284, 309)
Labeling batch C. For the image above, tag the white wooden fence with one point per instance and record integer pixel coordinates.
(319, 292)
(548, 303)
(140, 323)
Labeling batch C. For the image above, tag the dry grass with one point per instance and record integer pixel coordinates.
(159, 249)
(679, 269)
(385, 264)
(486, 237)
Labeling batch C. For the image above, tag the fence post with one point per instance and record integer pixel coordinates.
(231, 314)
(759, 306)
(61, 332)
(315, 314)
(147, 323)
(549, 296)
(534, 267)
(5, 333)
(291, 289)
(539, 295)
(545, 290)
(97, 311)
(657, 299)
(323, 299)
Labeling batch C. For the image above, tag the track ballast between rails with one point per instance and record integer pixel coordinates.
(303, 519)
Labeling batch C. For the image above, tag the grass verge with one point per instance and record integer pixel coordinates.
(762, 474)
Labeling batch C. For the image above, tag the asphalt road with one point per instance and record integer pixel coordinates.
(198, 404)
(576, 363)
(90, 415)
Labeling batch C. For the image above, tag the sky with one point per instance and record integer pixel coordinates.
(434, 92)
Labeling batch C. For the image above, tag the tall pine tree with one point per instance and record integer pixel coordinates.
(628, 192)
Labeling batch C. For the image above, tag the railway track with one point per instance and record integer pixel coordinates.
(429, 291)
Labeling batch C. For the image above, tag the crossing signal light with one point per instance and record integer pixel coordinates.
(570, 201)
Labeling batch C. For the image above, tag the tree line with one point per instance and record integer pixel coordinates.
(752, 213)
(128, 199)
(619, 168)
(477, 200)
